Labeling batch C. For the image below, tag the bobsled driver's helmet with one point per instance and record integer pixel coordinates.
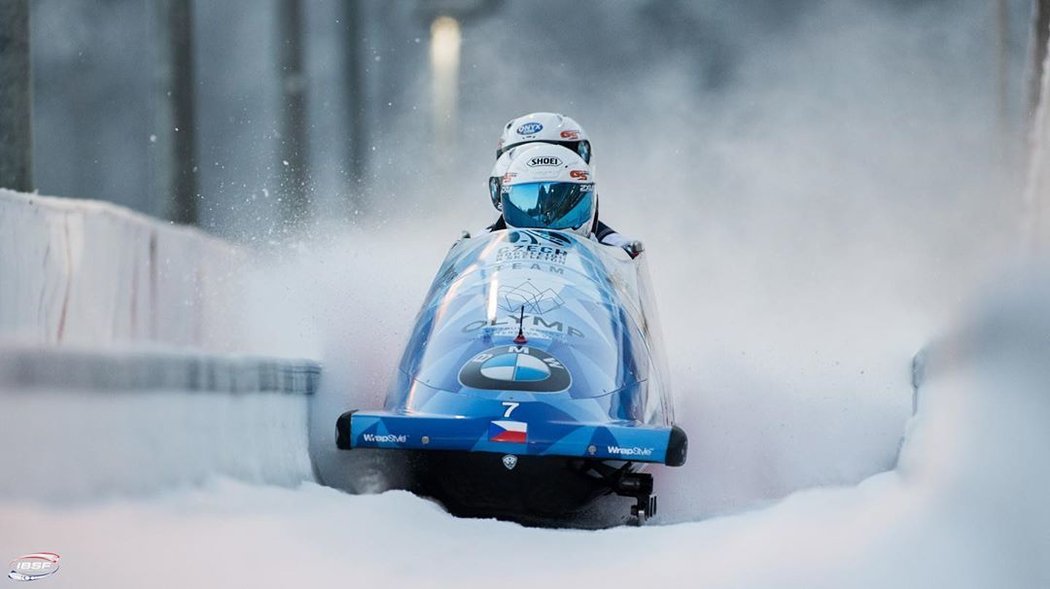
(545, 127)
(499, 170)
(549, 187)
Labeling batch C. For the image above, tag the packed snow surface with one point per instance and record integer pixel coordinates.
(964, 508)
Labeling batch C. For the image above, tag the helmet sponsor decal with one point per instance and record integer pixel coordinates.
(510, 461)
(570, 134)
(515, 368)
(579, 175)
(31, 567)
(543, 160)
(530, 128)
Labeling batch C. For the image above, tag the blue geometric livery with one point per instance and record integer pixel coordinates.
(537, 344)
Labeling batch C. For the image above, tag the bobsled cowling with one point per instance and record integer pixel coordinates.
(549, 332)
(541, 346)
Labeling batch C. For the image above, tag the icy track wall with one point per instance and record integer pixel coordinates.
(91, 273)
(125, 360)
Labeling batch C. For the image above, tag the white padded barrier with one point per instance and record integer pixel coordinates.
(126, 362)
(93, 273)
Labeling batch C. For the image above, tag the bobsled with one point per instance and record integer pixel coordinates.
(532, 383)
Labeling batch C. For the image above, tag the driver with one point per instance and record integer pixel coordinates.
(544, 128)
(549, 187)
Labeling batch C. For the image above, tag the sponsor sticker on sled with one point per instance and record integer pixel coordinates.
(385, 438)
(31, 567)
(542, 253)
(510, 461)
(632, 451)
(515, 368)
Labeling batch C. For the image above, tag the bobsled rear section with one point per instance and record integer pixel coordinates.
(499, 435)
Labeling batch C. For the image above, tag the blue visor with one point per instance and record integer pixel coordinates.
(548, 205)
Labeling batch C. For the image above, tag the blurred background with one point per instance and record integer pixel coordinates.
(819, 184)
(249, 118)
(822, 188)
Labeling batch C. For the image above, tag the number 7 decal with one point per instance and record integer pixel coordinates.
(511, 406)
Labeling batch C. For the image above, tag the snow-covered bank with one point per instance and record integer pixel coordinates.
(127, 362)
(77, 446)
(964, 509)
(92, 424)
(65, 368)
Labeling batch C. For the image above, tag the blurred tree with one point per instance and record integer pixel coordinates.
(357, 138)
(444, 19)
(1002, 47)
(292, 148)
(16, 125)
(1040, 36)
(174, 136)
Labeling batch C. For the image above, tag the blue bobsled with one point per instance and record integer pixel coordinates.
(532, 383)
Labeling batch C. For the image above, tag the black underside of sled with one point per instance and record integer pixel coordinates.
(536, 490)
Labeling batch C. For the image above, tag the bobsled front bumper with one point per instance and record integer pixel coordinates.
(634, 443)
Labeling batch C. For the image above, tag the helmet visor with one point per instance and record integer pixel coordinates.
(548, 205)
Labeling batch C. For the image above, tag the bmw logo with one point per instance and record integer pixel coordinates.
(530, 129)
(515, 368)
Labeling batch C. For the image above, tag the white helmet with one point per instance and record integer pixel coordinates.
(545, 127)
(549, 187)
(499, 169)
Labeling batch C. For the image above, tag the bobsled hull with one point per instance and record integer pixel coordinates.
(635, 443)
(538, 345)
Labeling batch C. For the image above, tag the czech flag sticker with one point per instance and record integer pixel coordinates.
(515, 432)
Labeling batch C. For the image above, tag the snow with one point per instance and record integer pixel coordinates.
(70, 446)
(809, 232)
(784, 485)
(965, 508)
(775, 398)
(95, 298)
